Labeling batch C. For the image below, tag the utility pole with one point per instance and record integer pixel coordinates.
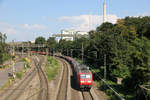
(105, 69)
(28, 49)
(61, 51)
(67, 53)
(82, 52)
(13, 61)
(47, 51)
(71, 52)
(52, 52)
(22, 49)
(38, 49)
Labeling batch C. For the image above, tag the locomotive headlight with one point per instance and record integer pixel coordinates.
(82, 81)
(89, 81)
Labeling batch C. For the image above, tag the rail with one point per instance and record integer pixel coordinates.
(85, 93)
(43, 81)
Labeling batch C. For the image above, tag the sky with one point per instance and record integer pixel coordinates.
(24, 20)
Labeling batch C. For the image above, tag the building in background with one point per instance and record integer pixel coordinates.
(70, 35)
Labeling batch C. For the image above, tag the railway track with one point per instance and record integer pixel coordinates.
(87, 95)
(43, 94)
(15, 93)
(63, 87)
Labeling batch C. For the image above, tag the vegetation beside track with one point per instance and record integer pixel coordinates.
(52, 67)
(27, 62)
(5, 67)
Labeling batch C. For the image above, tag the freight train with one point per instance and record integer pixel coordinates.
(82, 74)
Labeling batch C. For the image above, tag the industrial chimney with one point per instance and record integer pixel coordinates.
(104, 13)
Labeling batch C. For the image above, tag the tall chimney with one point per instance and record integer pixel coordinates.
(104, 13)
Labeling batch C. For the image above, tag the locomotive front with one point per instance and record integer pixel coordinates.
(86, 80)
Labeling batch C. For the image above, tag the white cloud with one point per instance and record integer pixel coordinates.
(21, 32)
(87, 22)
(11, 31)
(7, 28)
(34, 27)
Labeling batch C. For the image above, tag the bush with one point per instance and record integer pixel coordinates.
(19, 74)
(51, 68)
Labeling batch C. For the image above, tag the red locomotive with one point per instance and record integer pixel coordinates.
(82, 73)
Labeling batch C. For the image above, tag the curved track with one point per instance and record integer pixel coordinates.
(62, 93)
(43, 95)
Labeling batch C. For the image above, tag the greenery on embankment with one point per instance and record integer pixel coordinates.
(27, 62)
(51, 68)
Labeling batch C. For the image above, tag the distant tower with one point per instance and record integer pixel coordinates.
(104, 13)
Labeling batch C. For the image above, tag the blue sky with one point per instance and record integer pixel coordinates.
(23, 20)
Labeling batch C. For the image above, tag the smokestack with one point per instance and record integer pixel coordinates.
(104, 13)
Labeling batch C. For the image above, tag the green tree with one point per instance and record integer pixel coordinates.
(105, 27)
(51, 42)
(3, 48)
(40, 40)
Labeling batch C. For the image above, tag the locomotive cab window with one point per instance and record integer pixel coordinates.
(85, 76)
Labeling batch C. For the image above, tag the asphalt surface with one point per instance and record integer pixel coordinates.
(4, 73)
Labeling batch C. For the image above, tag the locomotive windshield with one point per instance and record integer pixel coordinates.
(85, 76)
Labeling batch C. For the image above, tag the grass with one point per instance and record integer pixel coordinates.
(19, 74)
(51, 68)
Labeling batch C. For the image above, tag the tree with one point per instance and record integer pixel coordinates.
(1, 37)
(65, 46)
(105, 27)
(3, 48)
(51, 42)
(40, 40)
(4, 38)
